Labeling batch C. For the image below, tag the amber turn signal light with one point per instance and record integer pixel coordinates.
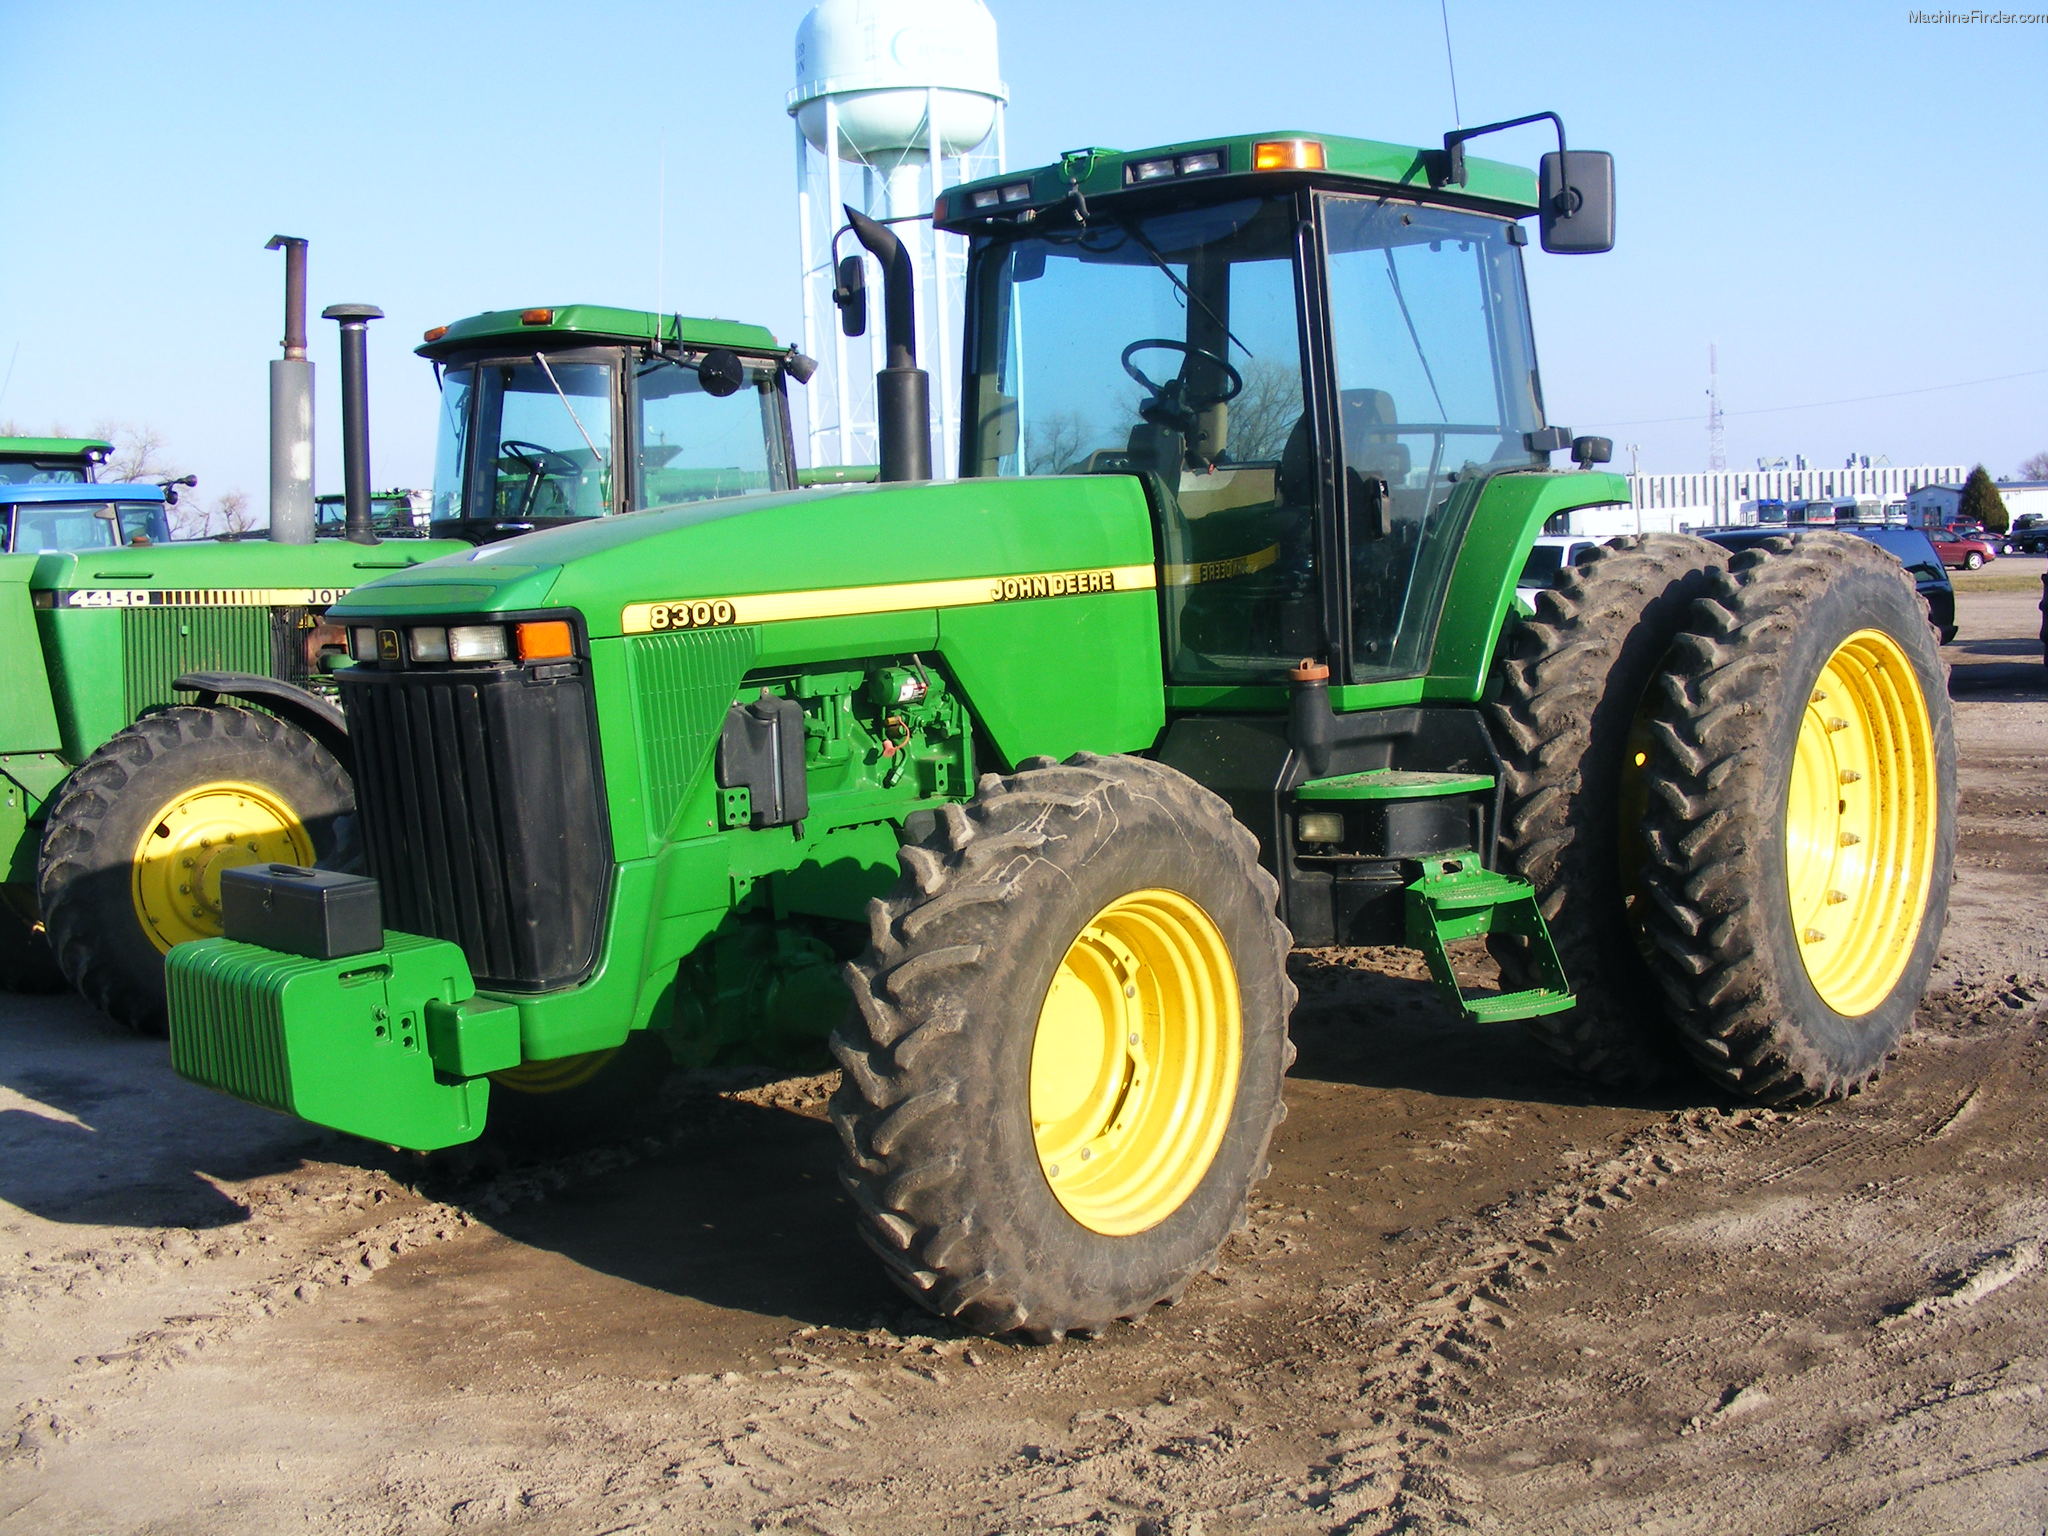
(1287, 155)
(544, 639)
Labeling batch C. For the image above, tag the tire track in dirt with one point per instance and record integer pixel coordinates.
(1419, 1391)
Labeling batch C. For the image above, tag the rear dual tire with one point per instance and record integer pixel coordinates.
(1568, 717)
(1802, 819)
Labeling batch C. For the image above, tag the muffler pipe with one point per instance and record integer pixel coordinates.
(291, 408)
(355, 415)
(902, 390)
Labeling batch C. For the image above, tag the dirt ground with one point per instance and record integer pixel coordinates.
(1474, 1295)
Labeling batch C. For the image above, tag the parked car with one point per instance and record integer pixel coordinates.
(1546, 562)
(2028, 535)
(1962, 551)
(1912, 547)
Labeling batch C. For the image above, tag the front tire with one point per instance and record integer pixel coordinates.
(1802, 823)
(576, 1101)
(141, 833)
(1973, 561)
(1063, 1069)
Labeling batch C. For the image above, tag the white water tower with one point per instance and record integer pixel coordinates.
(895, 100)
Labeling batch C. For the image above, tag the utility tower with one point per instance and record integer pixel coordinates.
(1717, 432)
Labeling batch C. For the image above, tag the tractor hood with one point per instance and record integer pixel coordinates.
(211, 574)
(860, 541)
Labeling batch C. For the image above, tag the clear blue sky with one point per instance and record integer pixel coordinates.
(1849, 204)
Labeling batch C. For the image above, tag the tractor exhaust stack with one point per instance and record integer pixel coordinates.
(291, 408)
(355, 414)
(902, 389)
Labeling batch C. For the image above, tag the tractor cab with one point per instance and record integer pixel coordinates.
(51, 460)
(1313, 351)
(555, 415)
(46, 516)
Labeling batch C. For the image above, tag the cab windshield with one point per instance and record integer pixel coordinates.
(42, 472)
(1176, 345)
(552, 437)
(33, 527)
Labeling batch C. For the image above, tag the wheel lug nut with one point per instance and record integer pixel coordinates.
(1850, 839)
(1813, 936)
(1836, 898)
(1837, 723)
(1086, 1153)
(1850, 776)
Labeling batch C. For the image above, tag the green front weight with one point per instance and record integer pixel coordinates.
(391, 1045)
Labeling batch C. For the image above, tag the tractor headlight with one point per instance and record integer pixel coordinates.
(1319, 827)
(362, 643)
(427, 643)
(477, 642)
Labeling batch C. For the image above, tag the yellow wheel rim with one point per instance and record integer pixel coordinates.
(174, 878)
(1135, 1062)
(557, 1076)
(1861, 819)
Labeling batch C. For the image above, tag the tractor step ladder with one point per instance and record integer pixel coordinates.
(1459, 898)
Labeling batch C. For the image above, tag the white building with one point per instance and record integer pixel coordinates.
(1723, 492)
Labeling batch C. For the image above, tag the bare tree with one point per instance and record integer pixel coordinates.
(138, 454)
(1054, 444)
(1265, 411)
(2035, 468)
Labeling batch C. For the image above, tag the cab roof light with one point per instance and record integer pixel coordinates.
(435, 334)
(1197, 162)
(536, 317)
(545, 639)
(1288, 155)
(996, 197)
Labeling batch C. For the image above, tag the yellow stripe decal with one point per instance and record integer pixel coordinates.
(1221, 570)
(196, 597)
(848, 602)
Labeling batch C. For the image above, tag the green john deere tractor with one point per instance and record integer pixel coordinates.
(182, 721)
(1022, 786)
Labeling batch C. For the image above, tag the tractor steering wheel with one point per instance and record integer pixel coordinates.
(536, 460)
(1174, 395)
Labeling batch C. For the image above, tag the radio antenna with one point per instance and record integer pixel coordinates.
(1451, 61)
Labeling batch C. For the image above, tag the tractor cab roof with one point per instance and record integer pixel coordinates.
(54, 447)
(595, 323)
(1018, 198)
(43, 495)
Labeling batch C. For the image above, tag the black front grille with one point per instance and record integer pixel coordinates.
(482, 813)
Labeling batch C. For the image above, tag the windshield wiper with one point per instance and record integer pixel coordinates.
(595, 452)
(1394, 277)
(1187, 293)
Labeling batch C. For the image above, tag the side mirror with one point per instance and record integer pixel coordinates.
(1576, 189)
(720, 373)
(851, 295)
(1588, 451)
